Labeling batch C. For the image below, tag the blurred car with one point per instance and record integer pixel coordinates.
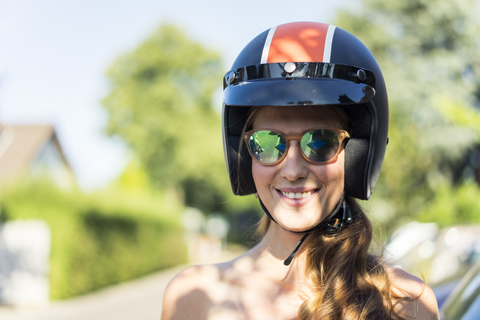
(464, 301)
(440, 256)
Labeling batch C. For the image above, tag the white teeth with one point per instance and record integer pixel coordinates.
(297, 195)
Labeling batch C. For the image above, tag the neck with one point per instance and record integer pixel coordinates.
(279, 241)
(274, 248)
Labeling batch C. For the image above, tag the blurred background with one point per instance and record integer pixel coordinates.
(111, 161)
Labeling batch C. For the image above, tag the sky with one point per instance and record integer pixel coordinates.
(54, 55)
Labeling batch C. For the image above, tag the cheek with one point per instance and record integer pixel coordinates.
(261, 175)
(338, 171)
(334, 174)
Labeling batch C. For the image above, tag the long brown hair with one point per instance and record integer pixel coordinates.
(347, 280)
(350, 282)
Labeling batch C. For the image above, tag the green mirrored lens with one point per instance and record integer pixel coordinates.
(267, 146)
(320, 145)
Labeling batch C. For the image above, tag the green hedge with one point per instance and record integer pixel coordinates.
(102, 238)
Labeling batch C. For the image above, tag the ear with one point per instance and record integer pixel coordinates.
(256, 195)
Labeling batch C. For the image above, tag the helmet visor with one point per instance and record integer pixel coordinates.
(308, 84)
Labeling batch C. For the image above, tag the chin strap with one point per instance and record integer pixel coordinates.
(336, 221)
(292, 255)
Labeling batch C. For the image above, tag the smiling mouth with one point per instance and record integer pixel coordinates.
(298, 195)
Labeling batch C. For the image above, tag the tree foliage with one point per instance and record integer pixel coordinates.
(428, 52)
(161, 105)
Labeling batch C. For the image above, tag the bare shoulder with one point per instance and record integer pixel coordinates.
(420, 303)
(190, 293)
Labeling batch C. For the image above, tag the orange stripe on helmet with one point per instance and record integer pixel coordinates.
(299, 42)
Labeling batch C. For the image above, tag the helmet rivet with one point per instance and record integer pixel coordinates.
(231, 77)
(289, 67)
(361, 75)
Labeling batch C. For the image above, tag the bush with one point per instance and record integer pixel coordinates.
(102, 238)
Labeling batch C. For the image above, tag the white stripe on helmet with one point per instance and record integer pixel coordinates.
(327, 52)
(266, 46)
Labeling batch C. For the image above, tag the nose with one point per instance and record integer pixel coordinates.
(294, 166)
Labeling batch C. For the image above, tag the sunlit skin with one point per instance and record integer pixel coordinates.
(295, 174)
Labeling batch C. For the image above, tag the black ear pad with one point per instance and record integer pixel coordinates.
(242, 180)
(356, 155)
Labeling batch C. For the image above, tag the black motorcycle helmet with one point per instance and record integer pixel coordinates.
(309, 63)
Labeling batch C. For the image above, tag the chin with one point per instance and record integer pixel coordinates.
(298, 224)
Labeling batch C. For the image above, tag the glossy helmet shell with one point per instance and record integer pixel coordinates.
(309, 63)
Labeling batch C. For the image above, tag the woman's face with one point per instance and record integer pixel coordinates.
(321, 186)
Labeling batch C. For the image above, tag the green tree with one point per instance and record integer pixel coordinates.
(428, 51)
(160, 103)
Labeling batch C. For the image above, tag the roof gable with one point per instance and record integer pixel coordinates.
(21, 144)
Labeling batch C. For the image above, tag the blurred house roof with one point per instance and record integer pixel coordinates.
(22, 145)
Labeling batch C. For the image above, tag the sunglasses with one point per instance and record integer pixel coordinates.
(318, 146)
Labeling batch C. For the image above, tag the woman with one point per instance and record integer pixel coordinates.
(305, 129)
